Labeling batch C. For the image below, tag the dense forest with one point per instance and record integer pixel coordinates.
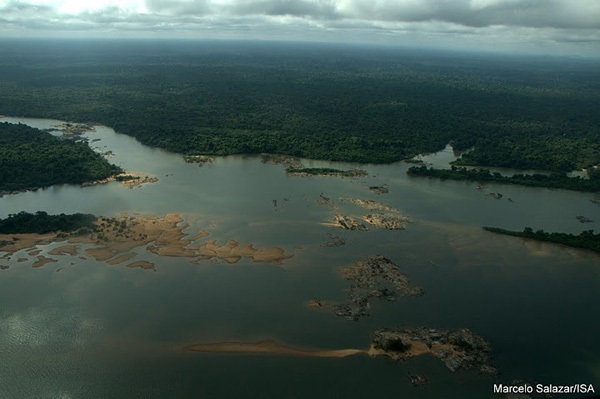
(41, 222)
(31, 158)
(586, 239)
(554, 180)
(323, 101)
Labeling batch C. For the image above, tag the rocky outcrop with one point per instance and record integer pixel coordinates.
(376, 277)
(458, 349)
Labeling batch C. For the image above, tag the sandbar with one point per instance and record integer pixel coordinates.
(42, 260)
(142, 264)
(127, 179)
(64, 250)
(269, 347)
(121, 258)
(12, 243)
(114, 239)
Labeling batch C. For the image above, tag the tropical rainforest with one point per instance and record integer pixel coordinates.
(554, 180)
(41, 222)
(31, 158)
(323, 101)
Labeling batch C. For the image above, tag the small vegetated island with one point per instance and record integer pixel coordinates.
(31, 158)
(326, 172)
(585, 240)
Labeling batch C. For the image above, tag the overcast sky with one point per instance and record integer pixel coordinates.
(537, 26)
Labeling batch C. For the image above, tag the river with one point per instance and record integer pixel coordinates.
(97, 331)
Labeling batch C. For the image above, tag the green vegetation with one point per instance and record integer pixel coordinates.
(42, 222)
(463, 344)
(126, 178)
(30, 158)
(395, 345)
(326, 172)
(586, 239)
(322, 101)
(554, 180)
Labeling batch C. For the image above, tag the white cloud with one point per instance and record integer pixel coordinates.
(522, 23)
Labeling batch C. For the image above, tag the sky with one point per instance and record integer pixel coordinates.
(558, 27)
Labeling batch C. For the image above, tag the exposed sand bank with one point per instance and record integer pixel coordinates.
(65, 250)
(42, 260)
(117, 260)
(458, 349)
(142, 264)
(115, 238)
(269, 347)
(127, 179)
(383, 216)
(12, 243)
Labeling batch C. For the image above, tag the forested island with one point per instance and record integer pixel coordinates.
(326, 172)
(41, 223)
(31, 158)
(554, 180)
(321, 101)
(585, 240)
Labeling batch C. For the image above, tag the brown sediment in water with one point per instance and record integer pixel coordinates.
(232, 252)
(65, 250)
(269, 347)
(127, 179)
(115, 238)
(43, 260)
(383, 216)
(12, 243)
(142, 264)
(369, 204)
(121, 259)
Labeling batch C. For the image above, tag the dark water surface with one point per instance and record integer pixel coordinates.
(98, 331)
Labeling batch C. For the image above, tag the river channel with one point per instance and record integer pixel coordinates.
(79, 328)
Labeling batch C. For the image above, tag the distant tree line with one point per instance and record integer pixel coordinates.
(586, 239)
(554, 180)
(41, 222)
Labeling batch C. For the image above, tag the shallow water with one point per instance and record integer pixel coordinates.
(96, 331)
